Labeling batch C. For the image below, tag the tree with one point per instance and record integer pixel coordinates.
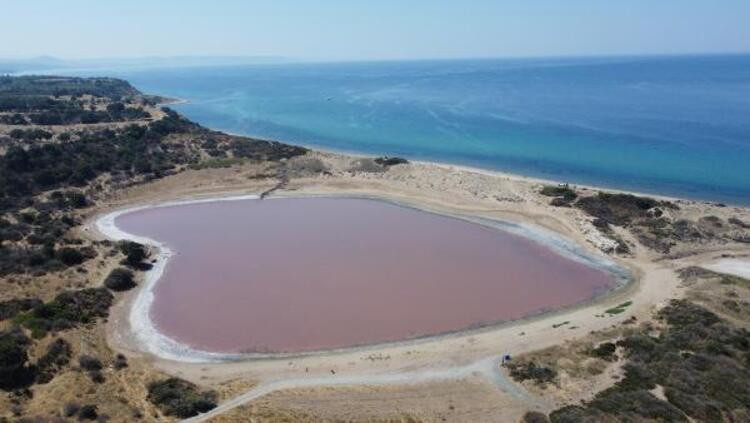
(14, 373)
(120, 279)
(70, 256)
(180, 398)
(134, 252)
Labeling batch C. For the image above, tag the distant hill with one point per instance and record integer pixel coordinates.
(47, 63)
(35, 63)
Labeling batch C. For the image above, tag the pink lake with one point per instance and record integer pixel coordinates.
(294, 275)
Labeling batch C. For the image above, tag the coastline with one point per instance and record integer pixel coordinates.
(473, 169)
(677, 260)
(468, 168)
(444, 189)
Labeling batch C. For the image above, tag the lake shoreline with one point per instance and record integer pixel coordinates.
(148, 339)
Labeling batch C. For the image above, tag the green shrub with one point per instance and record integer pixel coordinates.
(70, 256)
(684, 313)
(179, 398)
(619, 209)
(88, 412)
(535, 417)
(639, 345)
(699, 360)
(620, 308)
(57, 355)
(121, 362)
(637, 376)
(637, 403)
(539, 373)
(96, 376)
(563, 194)
(70, 409)
(558, 191)
(390, 161)
(605, 351)
(10, 308)
(134, 252)
(14, 370)
(697, 406)
(87, 362)
(44, 86)
(120, 279)
(577, 414)
(737, 222)
(69, 309)
(217, 163)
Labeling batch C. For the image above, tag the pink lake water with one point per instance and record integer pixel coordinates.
(294, 275)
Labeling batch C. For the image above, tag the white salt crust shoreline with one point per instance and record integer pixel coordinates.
(735, 267)
(141, 326)
(148, 339)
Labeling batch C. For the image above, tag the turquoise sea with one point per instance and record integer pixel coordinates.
(668, 125)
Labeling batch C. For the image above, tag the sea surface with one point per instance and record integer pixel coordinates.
(668, 125)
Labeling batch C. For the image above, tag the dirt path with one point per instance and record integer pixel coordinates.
(488, 368)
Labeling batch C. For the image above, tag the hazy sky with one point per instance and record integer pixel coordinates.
(372, 29)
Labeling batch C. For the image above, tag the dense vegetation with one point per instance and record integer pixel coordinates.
(116, 112)
(390, 161)
(134, 150)
(135, 254)
(14, 368)
(57, 355)
(85, 412)
(563, 194)
(179, 398)
(609, 209)
(36, 243)
(59, 112)
(110, 88)
(538, 373)
(29, 135)
(648, 219)
(131, 151)
(17, 372)
(699, 361)
(12, 307)
(120, 279)
(621, 209)
(67, 310)
(27, 172)
(605, 351)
